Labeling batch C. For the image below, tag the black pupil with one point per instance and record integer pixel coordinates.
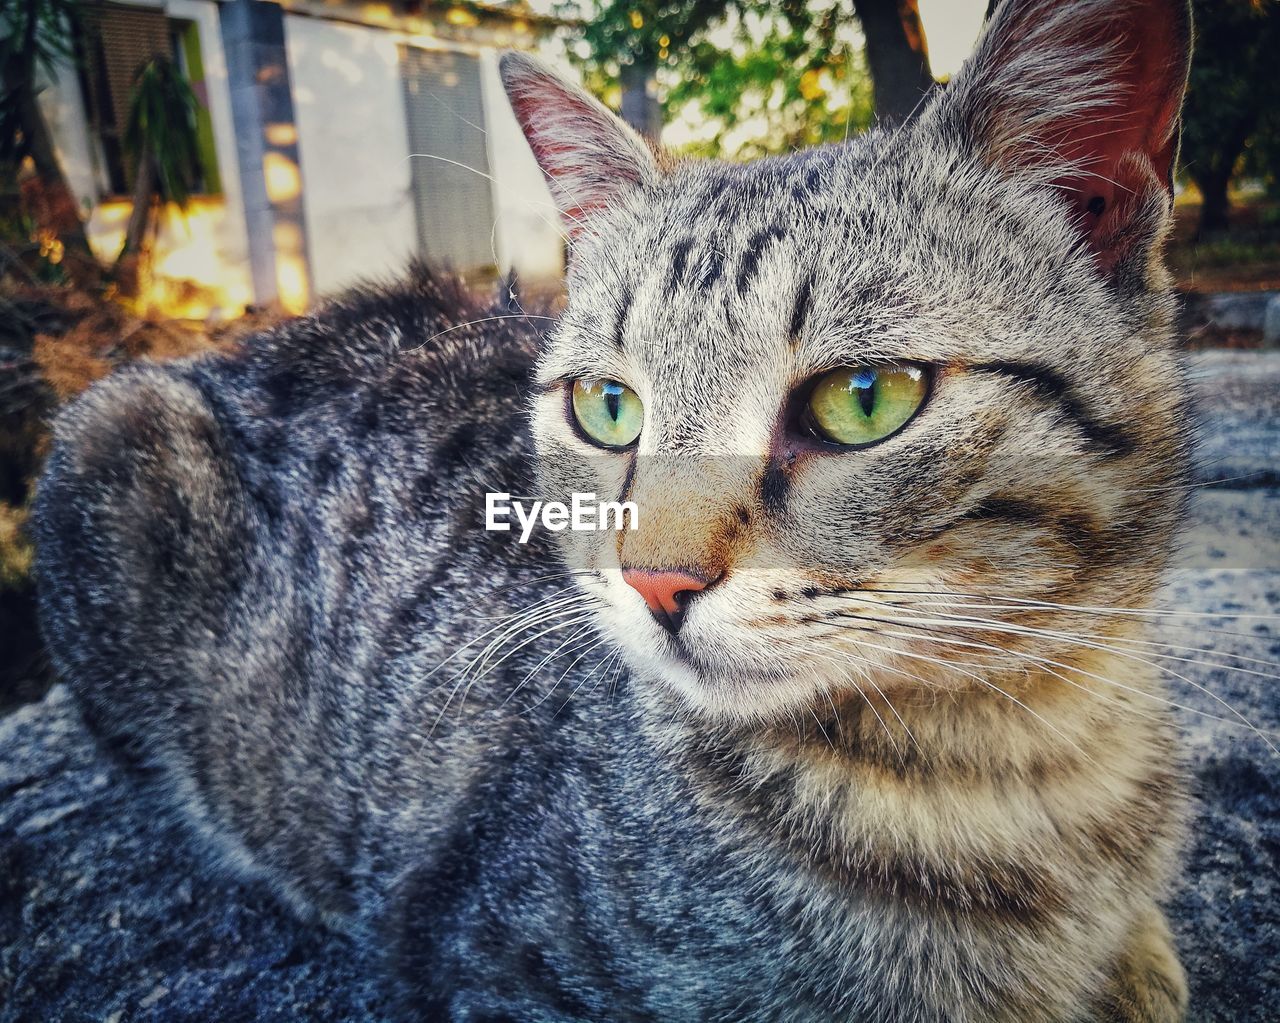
(613, 402)
(867, 396)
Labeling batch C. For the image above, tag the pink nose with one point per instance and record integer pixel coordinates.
(665, 591)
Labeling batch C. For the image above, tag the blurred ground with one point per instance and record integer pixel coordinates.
(1225, 281)
(1245, 258)
(108, 912)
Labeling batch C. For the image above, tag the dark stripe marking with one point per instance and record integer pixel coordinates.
(1001, 892)
(1108, 439)
(800, 309)
(773, 488)
(679, 264)
(755, 247)
(1077, 529)
(620, 325)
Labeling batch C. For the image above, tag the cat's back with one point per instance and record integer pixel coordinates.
(368, 424)
(285, 537)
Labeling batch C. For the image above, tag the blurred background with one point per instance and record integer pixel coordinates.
(176, 173)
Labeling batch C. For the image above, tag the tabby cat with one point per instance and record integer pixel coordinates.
(834, 733)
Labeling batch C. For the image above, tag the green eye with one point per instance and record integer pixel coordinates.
(609, 413)
(860, 405)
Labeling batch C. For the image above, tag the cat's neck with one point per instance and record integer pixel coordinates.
(867, 792)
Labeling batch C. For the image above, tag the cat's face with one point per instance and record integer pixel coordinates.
(843, 385)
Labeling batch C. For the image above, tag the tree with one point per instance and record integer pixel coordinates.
(897, 54)
(37, 35)
(160, 136)
(1232, 98)
(796, 77)
(627, 39)
(800, 58)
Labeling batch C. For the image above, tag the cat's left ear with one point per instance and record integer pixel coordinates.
(589, 156)
(1086, 96)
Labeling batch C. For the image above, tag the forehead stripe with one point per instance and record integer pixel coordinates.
(620, 324)
(800, 309)
(679, 264)
(756, 245)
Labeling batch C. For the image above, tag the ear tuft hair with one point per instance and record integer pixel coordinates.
(590, 158)
(1083, 95)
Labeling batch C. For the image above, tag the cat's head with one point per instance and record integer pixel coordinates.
(933, 363)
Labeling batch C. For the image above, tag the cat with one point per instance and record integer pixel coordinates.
(840, 730)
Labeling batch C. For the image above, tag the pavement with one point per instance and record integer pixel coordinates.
(109, 913)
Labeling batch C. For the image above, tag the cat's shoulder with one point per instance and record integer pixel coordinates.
(426, 338)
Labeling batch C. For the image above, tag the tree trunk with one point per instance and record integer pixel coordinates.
(1214, 177)
(1215, 212)
(57, 210)
(640, 107)
(897, 56)
(128, 265)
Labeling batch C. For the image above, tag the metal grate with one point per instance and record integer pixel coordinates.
(118, 41)
(445, 116)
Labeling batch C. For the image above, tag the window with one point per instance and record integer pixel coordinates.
(454, 204)
(116, 41)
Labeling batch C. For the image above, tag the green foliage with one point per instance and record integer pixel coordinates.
(1227, 251)
(748, 77)
(784, 81)
(162, 128)
(34, 35)
(625, 31)
(1233, 103)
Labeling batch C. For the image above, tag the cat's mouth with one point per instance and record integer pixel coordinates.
(713, 674)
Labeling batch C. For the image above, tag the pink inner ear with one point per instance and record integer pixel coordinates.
(588, 156)
(1126, 148)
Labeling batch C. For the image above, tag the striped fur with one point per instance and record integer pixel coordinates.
(897, 766)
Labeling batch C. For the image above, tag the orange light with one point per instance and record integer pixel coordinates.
(283, 180)
(293, 287)
(282, 134)
(193, 275)
(461, 17)
(291, 283)
(811, 85)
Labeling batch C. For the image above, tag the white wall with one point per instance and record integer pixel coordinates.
(529, 231)
(354, 150)
(63, 108)
(234, 238)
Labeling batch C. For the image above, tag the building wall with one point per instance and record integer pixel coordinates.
(349, 109)
(530, 238)
(356, 170)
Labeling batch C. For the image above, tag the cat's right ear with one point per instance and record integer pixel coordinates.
(1085, 96)
(590, 158)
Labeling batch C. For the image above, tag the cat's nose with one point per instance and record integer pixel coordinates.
(666, 591)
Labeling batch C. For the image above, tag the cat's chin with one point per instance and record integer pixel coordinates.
(731, 694)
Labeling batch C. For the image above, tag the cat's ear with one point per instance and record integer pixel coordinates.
(590, 158)
(1086, 96)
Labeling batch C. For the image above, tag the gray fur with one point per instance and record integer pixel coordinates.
(264, 576)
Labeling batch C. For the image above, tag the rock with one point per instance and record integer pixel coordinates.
(1237, 310)
(1271, 323)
